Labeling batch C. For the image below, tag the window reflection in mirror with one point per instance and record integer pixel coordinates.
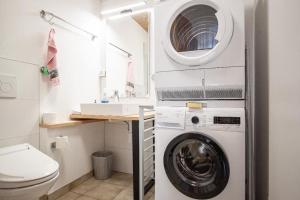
(127, 56)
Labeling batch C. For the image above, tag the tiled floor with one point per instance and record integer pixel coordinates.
(118, 187)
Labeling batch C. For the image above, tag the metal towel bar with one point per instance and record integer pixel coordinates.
(48, 17)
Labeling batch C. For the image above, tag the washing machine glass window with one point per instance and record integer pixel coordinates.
(198, 31)
(196, 166)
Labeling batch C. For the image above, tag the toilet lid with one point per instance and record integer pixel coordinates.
(23, 164)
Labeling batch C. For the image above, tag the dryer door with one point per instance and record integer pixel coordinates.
(196, 166)
(198, 31)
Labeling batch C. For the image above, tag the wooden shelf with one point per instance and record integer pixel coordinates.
(69, 123)
(78, 119)
(111, 117)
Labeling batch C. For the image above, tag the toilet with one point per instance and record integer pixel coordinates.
(25, 173)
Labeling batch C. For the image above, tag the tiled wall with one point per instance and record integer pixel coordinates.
(19, 118)
(75, 159)
(23, 37)
(118, 139)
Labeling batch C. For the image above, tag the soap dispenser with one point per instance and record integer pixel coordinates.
(104, 98)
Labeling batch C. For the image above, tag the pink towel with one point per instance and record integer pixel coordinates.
(130, 78)
(51, 59)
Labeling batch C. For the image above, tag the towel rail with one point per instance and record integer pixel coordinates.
(148, 129)
(149, 138)
(149, 148)
(149, 120)
(48, 17)
(146, 154)
(117, 47)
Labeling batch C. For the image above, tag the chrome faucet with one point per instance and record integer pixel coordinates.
(116, 96)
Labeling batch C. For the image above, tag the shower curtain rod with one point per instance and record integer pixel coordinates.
(48, 17)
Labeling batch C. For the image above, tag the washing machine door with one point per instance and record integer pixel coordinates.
(196, 166)
(198, 31)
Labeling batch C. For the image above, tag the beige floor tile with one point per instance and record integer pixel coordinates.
(85, 198)
(86, 186)
(152, 197)
(126, 194)
(69, 196)
(105, 191)
(121, 179)
(148, 195)
(152, 189)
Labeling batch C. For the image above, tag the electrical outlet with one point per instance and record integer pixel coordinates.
(8, 86)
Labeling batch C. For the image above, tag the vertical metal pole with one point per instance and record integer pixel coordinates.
(135, 156)
(141, 154)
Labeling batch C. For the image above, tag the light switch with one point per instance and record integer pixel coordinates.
(8, 86)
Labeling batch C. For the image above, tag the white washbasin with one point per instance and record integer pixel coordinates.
(109, 109)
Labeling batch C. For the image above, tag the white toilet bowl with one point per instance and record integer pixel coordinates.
(25, 173)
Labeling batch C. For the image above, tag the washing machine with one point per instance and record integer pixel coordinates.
(199, 49)
(200, 154)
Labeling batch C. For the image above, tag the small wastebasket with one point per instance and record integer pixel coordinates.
(102, 164)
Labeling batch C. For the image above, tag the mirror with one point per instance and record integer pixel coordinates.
(127, 56)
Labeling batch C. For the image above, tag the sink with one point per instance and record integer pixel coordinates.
(109, 109)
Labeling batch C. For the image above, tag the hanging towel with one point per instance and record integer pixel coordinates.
(51, 59)
(130, 78)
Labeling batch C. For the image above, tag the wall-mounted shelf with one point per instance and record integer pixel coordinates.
(78, 119)
(69, 123)
(147, 115)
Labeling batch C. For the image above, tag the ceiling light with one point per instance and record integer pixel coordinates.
(128, 14)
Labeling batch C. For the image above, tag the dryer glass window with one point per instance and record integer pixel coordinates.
(196, 166)
(195, 29)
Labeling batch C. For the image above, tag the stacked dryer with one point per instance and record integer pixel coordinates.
(200, 56)
(200, 50)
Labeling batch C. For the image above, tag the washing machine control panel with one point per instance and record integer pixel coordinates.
(195, 120)
(216, 119)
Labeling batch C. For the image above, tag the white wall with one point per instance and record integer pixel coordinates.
(23, 38)
(278, 55)
(284, 98)
(75, 159)
(19, 118)
(118, 139)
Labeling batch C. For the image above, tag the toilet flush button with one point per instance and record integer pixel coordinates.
(8, 86)
(5, 87)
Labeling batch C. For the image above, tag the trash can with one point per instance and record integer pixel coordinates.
(102, 164)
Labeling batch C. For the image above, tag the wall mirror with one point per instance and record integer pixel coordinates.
(127, 56)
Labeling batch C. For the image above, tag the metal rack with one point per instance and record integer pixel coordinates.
(48, 17)
(143, 154)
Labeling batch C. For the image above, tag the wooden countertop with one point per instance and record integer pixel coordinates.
(68, 123)
(78, 119)
(111, 117)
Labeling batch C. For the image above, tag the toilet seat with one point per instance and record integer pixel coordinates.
(20, 184)
(24, 166)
